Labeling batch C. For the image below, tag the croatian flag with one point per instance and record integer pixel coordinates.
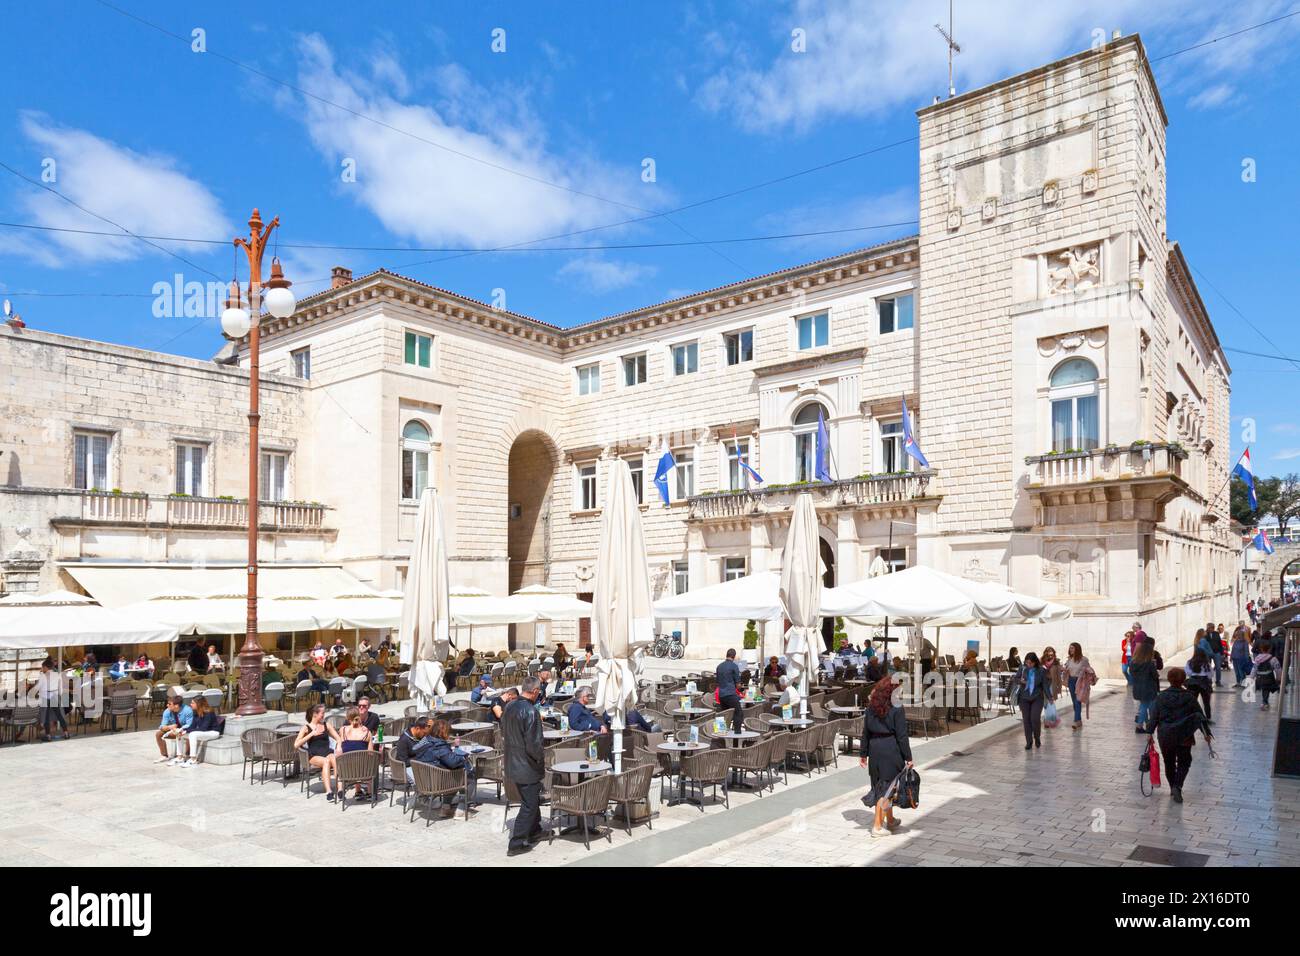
(909, 443)
(823, 467)
(666, 465)
(744, 465)
(1262, 543)
(1243, 471)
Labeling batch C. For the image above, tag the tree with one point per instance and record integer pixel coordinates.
(1286, 506)
(1266, 491)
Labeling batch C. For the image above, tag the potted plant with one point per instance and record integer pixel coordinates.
(751, 643)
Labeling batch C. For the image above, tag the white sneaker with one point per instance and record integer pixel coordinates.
(175, 762)
(161, 759)
(187, 763)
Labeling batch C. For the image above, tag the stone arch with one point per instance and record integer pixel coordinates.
(531, 465)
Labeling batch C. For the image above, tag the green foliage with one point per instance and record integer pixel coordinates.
(751, 636)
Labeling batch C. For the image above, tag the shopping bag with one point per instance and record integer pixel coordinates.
(1050, 716)
(1154, 759)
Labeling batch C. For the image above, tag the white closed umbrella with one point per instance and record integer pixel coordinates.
(621, 614)
(801, 592)
(423, 633)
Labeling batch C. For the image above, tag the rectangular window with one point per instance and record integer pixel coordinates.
(637, 468)
(805, 456)
(814, 330)
(271, 476)
(190, 460)
(415, 471)
(895, 558)
(686, 358)
(301, 359)
(740, 346)
(589, 379)
(681, 577)
(418, 349)
(633, 369)
(1075, 424)
(586, 488)
(733, 568)
(895, 313)
(892, 458)
(737, 478)
(90, 461)
(685, 475)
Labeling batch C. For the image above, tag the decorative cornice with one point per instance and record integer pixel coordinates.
(816, 359)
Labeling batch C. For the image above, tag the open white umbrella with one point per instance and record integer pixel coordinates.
(754, 597)
(621, 616)
(424, 633)
(801, 593)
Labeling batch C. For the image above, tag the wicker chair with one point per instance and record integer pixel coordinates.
(358, 768)
(803, 743)
(663, 766)
(633, 786)
(252, 741)
(123, 707)
(433, 781)
(486, 736)
(396, 779)
(708, 768)
(826, 734)
(776, 758)
(22, 718)
(583, 800)
(411, 712)
(850, 728)
(279, 753)
(491, 767)
(753, 759)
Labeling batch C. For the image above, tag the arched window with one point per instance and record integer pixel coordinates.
(416, 445)
(1076, 422)
(805, 440)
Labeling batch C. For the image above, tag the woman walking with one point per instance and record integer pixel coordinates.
(1174, 720)
(1240, 655)
(1052, 665)
(1266, 668)
(1125, 652)
(1080, 676)
(1031, 683)
(1200, 679)
(1144, 679)
(885, 753)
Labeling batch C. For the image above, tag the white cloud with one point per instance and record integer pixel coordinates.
(867, 57)
(459, 194)
(146, 193)
(604, 275)
(1213, 96)
(1287, 454)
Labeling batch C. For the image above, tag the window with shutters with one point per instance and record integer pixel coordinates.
(417, 443)
(90, 460)
(191, 462)
(271, 482)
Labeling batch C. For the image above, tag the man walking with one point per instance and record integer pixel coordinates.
(521, 731)
(728, 674)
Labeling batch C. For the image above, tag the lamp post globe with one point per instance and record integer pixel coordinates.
(235, 322)
(280, 302)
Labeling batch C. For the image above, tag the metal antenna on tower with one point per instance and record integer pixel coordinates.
(953, 47)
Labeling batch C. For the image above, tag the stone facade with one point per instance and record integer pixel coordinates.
(1041, 243)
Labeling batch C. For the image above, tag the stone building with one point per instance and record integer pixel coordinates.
(1062, 373)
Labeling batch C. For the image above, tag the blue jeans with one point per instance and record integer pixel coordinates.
(1144, 707)
(1241, 667)
(1124, 668)
(1218, 670)
(1074, 698)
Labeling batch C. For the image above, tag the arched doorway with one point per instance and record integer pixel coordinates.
(531, 471)
(828, 581)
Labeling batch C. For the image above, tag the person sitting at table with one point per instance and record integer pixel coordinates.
(143, 665)
(364, 650)
(338, 648)
(369, 718)
(413, 740)
(876, 669)
(869, 650)
(88, 663)
(318, 684)
(1013, 660)
(441, 753)
(544, 681)
(316, 736)
(969, 662)
(270, 675)
(467, 663)
(205, 726)
(355, 735)
(482, 690)
(773, 671)
(789, 694)
(343, 663)
(319, 655)
(215, 663)
(581, 716)
(120, 668)
(176, 720)
(561, 658)
(497, 705)
(846, 649)
(197, 659)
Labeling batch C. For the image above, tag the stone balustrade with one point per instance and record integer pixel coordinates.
(852, 492)
(1114, 463)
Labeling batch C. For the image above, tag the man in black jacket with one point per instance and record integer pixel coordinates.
(413, 740)
(1174, 718)
(521, 732)
(728, 675)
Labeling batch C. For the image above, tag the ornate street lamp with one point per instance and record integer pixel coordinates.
(237, 322)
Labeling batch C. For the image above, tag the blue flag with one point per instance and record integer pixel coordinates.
(1243, 471)
(909, 443)
(666, 464)
(1262, 543)
(740, 460)
(823, 469)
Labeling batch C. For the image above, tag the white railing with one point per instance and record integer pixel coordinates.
(176, 511)
(97, 506)
(207, 512)
(857, 492)
(1107, 464)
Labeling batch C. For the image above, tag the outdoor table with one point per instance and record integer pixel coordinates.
(740, 739)
(467, 726)
(581, 768)
(689, 712)
(560, 734)
(855, 682)
(680, 748)
(846, 710)
(794, 723)
(560, 695)
(454, 708)
(286, 730)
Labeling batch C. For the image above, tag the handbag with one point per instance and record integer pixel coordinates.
(1149, 769)
(907, 789)
(1050, 717)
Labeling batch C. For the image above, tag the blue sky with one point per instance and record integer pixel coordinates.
(459, 145)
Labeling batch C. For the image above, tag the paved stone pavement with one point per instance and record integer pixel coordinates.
(100, 800)
(1075, 802)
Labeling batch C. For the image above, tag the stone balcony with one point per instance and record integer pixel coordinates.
(1128, 482)
(225, 514)
(881, 491)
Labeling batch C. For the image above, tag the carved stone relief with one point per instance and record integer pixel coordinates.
(1078, 269)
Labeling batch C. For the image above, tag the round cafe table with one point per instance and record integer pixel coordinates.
(794, 723)
(678, 749)
(690, 712)
(468, 726)
(739, 739)
(581, 768)
(560, 734)
(846, 710)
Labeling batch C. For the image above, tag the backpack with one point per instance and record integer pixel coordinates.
(1265, 679)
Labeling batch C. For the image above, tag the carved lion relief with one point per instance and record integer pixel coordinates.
(1078, 269)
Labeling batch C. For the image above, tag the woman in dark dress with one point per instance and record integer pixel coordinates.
(885, 752)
